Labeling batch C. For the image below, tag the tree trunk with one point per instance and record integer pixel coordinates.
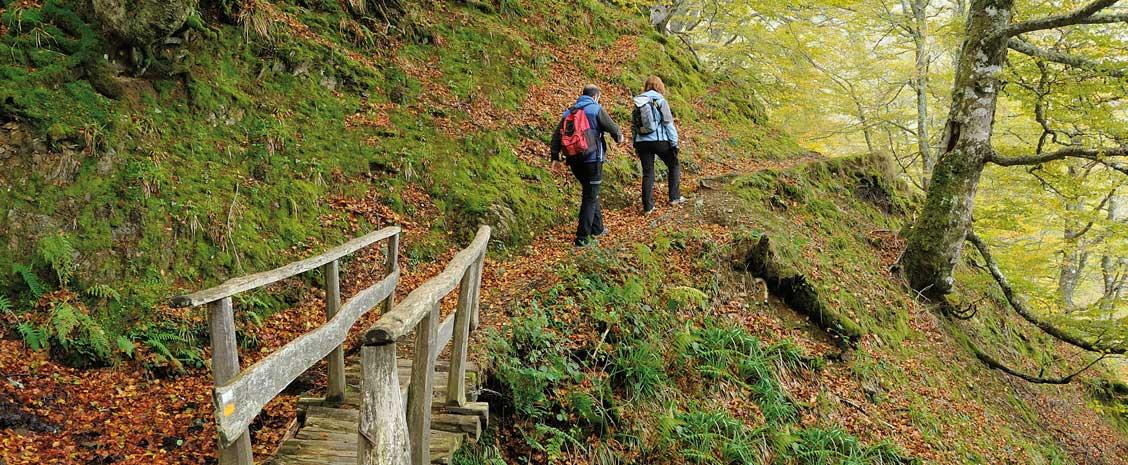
(937, 236)
(919, 10)
(1073, 262)
(1075, 255)
(1114, 270)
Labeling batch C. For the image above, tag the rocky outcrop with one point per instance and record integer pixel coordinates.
(144, 22)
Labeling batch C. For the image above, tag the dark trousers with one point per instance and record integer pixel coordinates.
(646, 152)
(590, 176)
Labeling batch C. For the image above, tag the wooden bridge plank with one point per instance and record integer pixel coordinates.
(329, 435)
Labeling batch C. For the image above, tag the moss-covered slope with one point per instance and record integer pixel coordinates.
(663, 347)
(274, 129)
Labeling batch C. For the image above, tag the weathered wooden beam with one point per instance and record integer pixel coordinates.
(475, 315)
(241, 398)
(391, 263)
(456, 381)
(335, 388)
(419, 391)
(244, 283)
(478, 409)
(445, 333)
(403, 318)
(382, 428)
(225, 365)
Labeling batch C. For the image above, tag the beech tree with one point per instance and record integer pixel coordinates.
(938, 235)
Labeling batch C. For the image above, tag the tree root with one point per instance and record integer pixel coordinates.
(794, 288)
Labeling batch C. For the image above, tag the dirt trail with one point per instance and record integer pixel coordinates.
(509, 280)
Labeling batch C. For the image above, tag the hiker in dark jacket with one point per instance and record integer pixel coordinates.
(588, 167)
(662, 142)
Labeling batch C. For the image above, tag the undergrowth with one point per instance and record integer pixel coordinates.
(614, 363)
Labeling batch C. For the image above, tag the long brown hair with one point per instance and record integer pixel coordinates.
(654, 83)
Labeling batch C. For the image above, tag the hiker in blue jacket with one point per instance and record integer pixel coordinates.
(656, 135)
(588, 167)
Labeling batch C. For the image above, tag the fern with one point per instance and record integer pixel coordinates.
(34, 337)
(34, 284)
(103, 291)
(58, 252)
(5, 305)
(156, 341)
(97, 339)
(126, 346)
(64, 319)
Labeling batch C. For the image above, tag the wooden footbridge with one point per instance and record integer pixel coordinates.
(377, 409)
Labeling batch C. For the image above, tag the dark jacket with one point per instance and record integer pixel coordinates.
(599, 120)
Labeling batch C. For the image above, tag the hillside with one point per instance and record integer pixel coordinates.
(660, 347)
(761, 323)
(282, 128)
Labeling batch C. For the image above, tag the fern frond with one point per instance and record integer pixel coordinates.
(34, 337)
(64, 319)
(103, 291)
(5, 304)
(58, 252)
(126, 346)
(34, 284)
(96, 337)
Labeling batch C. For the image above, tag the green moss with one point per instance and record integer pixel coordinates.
(224, 165)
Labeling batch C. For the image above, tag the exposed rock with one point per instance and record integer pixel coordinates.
(503, 220)
(144, 22)
(24, 228)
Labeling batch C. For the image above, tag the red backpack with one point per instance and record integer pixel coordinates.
(576, 134)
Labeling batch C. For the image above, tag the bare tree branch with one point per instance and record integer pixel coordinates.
(1098, 155)
(990, 361)
(1026, 48)
(1019, 306)
(1084, 15)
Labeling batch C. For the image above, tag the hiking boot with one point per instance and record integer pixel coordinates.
(601, 233)
(648, 211)
(589, 242)
(679, 201)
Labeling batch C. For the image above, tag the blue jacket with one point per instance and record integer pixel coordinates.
(600, 121)
(666, 131)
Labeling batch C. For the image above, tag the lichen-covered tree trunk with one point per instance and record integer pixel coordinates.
(1114, 269)
(919, 9)
(1075, 254)
(937, 236)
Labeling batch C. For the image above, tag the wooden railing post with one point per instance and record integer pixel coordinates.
(478, 267)
(392, 257)
(225, 365)
(422, 386)
(335, 390)
(456, 380)
(383, 429)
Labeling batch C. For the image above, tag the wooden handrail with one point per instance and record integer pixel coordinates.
(240, 395)
(245, 283)
(401, 320)
(386, 435)
(240, 399)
